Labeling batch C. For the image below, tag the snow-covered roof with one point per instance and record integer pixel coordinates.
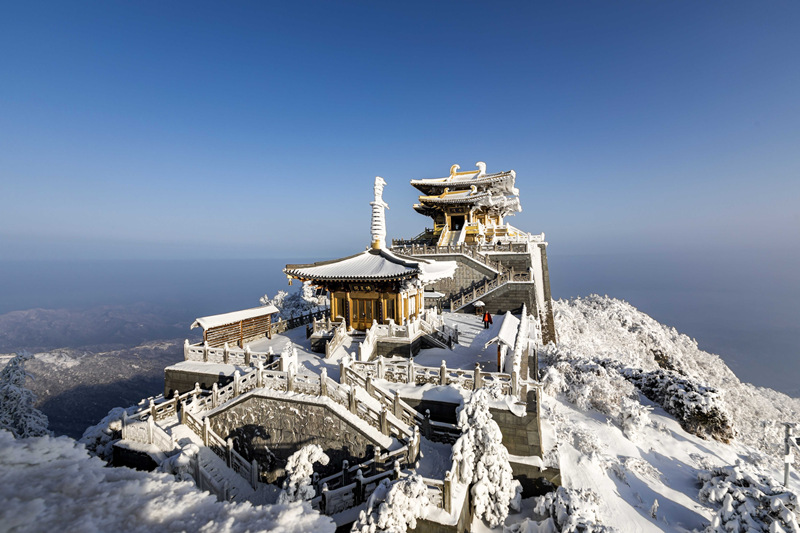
(224, 319)
(455, 197)
(465, 179)
(433, 294)
(373, 264)
(508, 331)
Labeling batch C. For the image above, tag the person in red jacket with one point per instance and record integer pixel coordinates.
(487, 319)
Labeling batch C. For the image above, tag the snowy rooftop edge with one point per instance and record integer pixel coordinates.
(224, 319)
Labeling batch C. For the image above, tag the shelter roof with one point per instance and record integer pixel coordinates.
(373, 265)
(469, 196)
(463, 179)
(508, 331)
(225, 319)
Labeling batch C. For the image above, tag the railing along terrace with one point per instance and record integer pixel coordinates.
(227, 355)
(477, 291)
(470, 250)
(410, 372)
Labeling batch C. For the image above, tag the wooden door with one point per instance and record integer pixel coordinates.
(364, 311)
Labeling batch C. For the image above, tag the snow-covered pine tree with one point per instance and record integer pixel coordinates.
(299, 469)
(17, 413)
(482, 460)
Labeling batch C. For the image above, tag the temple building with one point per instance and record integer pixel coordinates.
(469, 207)
(375, 285)
(500, 266)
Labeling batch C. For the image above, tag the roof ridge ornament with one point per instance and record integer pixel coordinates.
(378, 227)
(482, 167)
(454, 170)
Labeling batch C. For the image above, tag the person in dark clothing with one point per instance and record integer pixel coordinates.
(487, 319)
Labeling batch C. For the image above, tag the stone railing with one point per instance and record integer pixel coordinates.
(471, 251)
(222, 448)
(431, 429)
(227, 355)
(409, 372)
(146, 432)
(480, 290)
(337, 340)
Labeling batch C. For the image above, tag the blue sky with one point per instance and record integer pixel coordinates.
(200, 129)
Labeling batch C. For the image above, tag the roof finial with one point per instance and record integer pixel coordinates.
(378, 216)
(453, 171)
(482, 167)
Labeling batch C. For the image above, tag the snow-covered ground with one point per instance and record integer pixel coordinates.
(627, 462)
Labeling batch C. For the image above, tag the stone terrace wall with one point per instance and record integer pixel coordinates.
(259, 424)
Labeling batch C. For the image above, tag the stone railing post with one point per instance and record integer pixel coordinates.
(259, 374)
(345, 468)
(411, 378)
(443, 373)
(186, 349)
(229, 454)
(205, 352)
(368, 384)
(184, 415)
(353, 405)
(514, 382)
(323, 504)
(226, 353)
(248, 355)
(447, 491)
(254, 474)
(237, 383)
(152, 409)
(323, 382)
(398, 408)
(206, 429)
(150, 429)
(426, 424)
(477, 381)
(384, 421)
(214, 395)
(380, 361)
(359, 492)
(290, 379)
(342, 371)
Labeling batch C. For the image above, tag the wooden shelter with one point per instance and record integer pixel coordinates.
(237, 327)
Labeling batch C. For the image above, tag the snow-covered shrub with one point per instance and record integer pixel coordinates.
(402, 503)
(299, 469)
(99, 439)
(599, 327)
(699, 409)
(298, 303)
(749, 502)
(17, 413)
(482, 460)
(565, 511)
(180, 464)
(591, 385)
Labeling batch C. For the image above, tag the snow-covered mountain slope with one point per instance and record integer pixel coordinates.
(51, 484)
(629, 464)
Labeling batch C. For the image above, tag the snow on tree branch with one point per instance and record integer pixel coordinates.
(298, 303)
(748, 501)
(482, 460)
(299, 469)
(565, 511)
(17, 411)
(402, 502)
